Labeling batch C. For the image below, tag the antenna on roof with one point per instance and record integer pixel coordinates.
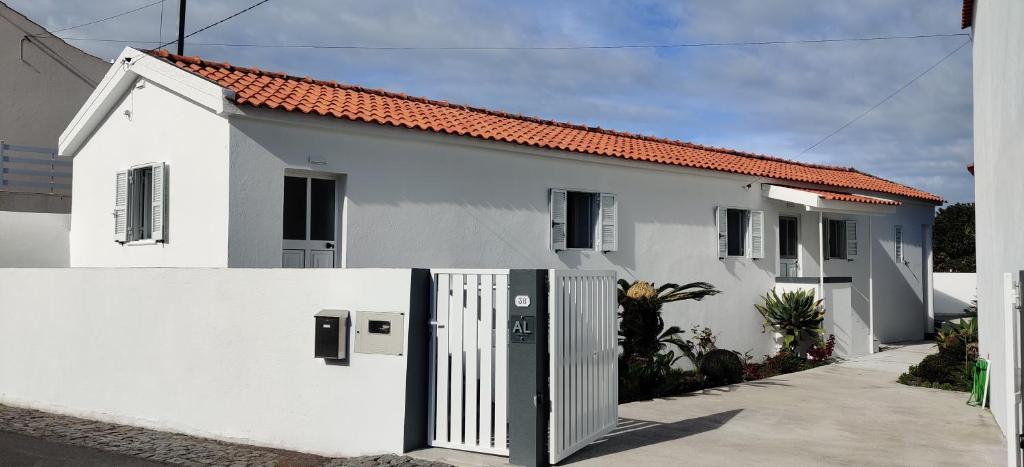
(181, 27)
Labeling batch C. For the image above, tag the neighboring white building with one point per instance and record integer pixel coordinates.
(182, 162)
(998, 43)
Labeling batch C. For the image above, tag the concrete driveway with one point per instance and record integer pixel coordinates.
(853, 413)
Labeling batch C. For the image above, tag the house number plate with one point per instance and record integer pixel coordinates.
(522, 301)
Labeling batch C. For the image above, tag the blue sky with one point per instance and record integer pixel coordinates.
(777, 99)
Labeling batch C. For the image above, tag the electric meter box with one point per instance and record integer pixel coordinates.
(380, 333)
(331, 334)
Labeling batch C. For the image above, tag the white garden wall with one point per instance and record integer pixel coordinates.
(34, 239)
(222, 353)
(954, 292)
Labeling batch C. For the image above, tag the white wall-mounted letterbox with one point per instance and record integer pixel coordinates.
(381, 333)
(331, 335)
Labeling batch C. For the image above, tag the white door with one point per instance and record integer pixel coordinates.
(789, 246)
(310, 234)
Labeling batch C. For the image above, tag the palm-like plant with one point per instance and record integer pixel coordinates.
(643, 366)
(797, 315)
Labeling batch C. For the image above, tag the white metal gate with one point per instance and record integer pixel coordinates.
(583, 375)
(469, 366)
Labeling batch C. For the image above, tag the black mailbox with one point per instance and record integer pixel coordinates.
(331, 334)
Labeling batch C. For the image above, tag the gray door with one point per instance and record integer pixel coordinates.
(789, 246)
(310, 220)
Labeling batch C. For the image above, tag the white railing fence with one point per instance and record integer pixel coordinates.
(29, 169)
(584, 359)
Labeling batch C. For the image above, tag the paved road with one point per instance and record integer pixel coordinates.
(34, 438)
(853, 413)
(27, 451)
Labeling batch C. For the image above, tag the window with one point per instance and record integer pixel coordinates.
(583, 220)
(140, 209)
(835, 242)
(840, 239)
(788, 242)
(737, 232)
(580, 217)
(740, 233)
(898, 243)
(139, 201)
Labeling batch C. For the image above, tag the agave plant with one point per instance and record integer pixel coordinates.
(797, 315)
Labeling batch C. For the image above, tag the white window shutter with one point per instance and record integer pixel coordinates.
(121, 206)
(609, 222)
(722, 216)
(757, 234)
(851, 239)
(557, 207)
(159, 201)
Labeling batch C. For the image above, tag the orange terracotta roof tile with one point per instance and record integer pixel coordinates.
(263, 89)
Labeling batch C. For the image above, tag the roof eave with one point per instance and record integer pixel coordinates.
(127, 68)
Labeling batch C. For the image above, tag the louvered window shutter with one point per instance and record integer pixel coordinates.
(609, 222)
(557, 208)
(851, 239)
(121, 206)
(159, 201)
(757, 234)
(722, 215)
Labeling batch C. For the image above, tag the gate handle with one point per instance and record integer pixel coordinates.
(437, 325)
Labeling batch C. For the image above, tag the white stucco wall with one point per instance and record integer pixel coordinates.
(163, 127)
(998, 119)
(954, 292)
(423, 200)
(34, 240)
(221, 353)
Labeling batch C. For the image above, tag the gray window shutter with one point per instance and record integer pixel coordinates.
(722, 216)
(159, 201)
(121, 206)
(557, 208)
(757, 234)
(851, 239)
(609, 222)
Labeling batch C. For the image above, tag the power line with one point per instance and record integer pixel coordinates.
(527, 48)
(890, 96)
(51, 33)
(239, 12)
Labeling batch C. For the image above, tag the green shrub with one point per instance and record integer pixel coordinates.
(942, 371)
(720, 367)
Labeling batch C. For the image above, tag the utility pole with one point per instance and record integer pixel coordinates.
(181, 27)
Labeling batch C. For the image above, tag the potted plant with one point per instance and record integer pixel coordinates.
(794, 317)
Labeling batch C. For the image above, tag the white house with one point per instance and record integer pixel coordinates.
(998, 46)
(182, 162)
